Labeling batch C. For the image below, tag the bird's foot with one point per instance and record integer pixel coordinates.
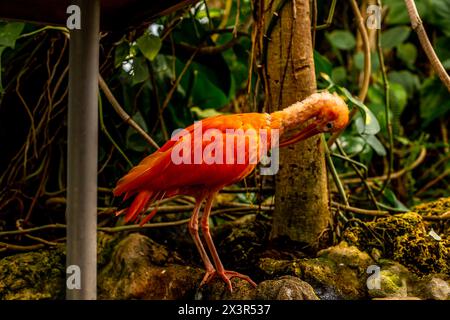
(226, 276)
(210, 273)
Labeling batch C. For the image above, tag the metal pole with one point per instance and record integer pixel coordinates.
(81, 212)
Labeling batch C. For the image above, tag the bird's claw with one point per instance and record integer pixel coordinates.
(210, 273)
(226, 276)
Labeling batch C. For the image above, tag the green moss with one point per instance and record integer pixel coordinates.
(433, 208)
(423, 254)
(404, 238)
(33, 275)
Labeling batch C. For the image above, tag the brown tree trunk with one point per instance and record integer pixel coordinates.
(301, 197)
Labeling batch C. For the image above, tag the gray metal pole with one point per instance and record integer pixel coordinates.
(81, 212)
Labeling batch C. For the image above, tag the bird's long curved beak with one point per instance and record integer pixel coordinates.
(307, 132)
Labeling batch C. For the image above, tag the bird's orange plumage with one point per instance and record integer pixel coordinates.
(158, 176)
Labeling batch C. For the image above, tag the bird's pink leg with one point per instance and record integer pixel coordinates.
(193, 230)
(226, 275)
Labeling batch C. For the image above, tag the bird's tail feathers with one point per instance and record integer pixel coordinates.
(140, 204)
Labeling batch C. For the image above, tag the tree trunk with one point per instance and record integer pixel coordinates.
(301, 212)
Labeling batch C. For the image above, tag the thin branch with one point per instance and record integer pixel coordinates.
(433, 182)
(376, 213)
(177, 82)
(443, 216)
(208, 50)
(367, 67)
(397, 174)
(121, 112)
(387, 108)
(29, 230)
(417, 26)
(7, 246)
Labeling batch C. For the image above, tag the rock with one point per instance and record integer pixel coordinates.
(217, 290)
(142, 269)
(404, 238)
(241, 242)
(285, 288)
(338, 272)
(433, 287)
(394, 280)
(33, 275)
(343, 254)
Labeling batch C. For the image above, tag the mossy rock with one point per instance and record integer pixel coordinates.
(140, 268)
(404, 238)
(435, 208)
(338, 272)
(395, 280)
(33, 275)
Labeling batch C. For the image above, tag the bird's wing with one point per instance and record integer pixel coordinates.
(160, 163)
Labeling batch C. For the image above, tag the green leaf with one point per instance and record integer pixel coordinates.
(205, 93)
(397, 13)
(407, 52)
(134, 140)
(10, 32)
(407, 79)
(358, 59)
(149, 45)
(121, 52)
(339, 75)
(352, 144)
(434, 101)
(393, 201)
(140, 70)
(375, 144)
(398, 97)
(322, 64)
(446, 64)
(440, 12)
(394, 36)
(369, 122)
(205, 113)
(442, 47)
(375, 94)
(341, 39)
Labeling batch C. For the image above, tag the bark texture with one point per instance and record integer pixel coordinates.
(301, 213)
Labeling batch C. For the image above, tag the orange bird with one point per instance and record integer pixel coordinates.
(218, 151)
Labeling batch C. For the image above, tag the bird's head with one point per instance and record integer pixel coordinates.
(324, 112)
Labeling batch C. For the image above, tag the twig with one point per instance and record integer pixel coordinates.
(397, 174)
(386, 109)
(334, 173)
(443, 216)
(121, 112)
(417, 26)
(330, 16)
(38, 239)
(5, 246)
(208, 50)
(106, 132)
(29, 230)
(433, 182)
(377, 213)
(236, 22)
(177, 82)
(367, 67)
(361, 176)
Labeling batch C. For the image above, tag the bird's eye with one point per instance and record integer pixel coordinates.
(330, 125)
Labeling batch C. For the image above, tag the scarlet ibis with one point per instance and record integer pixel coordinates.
(183, 165)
